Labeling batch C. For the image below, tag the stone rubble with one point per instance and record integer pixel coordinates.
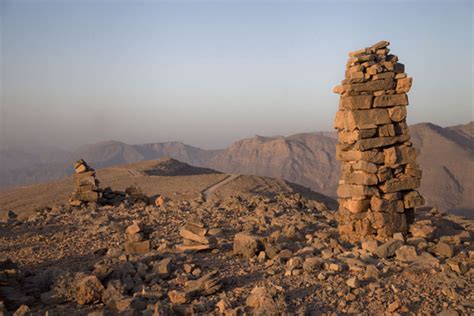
(379, 174)
(282, 254)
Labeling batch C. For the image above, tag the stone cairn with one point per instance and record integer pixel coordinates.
(87, 186)
(379, 173)
(196, 237)
(136, 243)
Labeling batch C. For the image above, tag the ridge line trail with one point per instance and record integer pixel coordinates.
(134, 173)
(207, 192)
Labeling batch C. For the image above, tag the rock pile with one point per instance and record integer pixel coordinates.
(195, 237)
(379, 173)
(136, 243)
(135, 194)
(87, 186)
(87, 189)
(287, 258)
(11, 295)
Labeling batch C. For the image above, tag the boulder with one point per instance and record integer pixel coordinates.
(23, 310)
(177, 297)
(246, 245)
(163, 267)
(137, 248)
(208, 284)
(388, 249)
(89, 290)
(133, 229)
(353, 282)
(444, 249)
(263, 302)
(406, 254)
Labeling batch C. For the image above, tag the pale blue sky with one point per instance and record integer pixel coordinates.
(211, 72)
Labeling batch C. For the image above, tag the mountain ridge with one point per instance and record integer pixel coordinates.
(308, 159)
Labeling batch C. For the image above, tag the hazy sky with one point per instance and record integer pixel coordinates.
(211, 72)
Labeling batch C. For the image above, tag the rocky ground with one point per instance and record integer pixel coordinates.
(232, 255)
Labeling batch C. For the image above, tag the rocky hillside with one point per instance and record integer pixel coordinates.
(446, 157)
(307, 159)
(447, 160)
(261, 250)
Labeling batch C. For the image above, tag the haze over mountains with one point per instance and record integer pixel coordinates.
(446, 158)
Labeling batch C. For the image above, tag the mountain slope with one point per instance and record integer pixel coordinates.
(114, 153)
(306, 159)
(446, 158)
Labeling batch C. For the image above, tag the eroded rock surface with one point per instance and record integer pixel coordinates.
(281, 253)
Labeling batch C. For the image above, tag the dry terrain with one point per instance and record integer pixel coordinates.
(262, 246)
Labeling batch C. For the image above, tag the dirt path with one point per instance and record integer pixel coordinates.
(216, 186)
(134, 173)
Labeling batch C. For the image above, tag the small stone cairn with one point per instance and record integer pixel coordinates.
(136, 243)
(379, 173)
(195, 237)
(87, 186)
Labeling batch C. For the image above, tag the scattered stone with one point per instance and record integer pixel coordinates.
(353, 282)
(406, 254)
(371, 272)
(445, 250)
(370, 245)
(312, 264)
(113, 295)
(136, 195)
(392, 307)
(163, 267)
(89, 290)
(223, 305)
(137, 248)
(448, 312)
(427, 259)
(458, 267)
(23, 310)
(192, 247)
(246, 245)
(423, 229)
(161, 201)
(133, 229)
(205, 285)
(263, 302)
(335, 267)
(177, 297)
(399, 236)
(388, 249)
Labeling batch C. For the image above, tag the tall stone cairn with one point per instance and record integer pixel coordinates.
(379, 174)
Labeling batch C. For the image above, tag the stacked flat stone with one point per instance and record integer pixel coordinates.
(196, 237)
(136, 243)
(379, 173)
(86, 185)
